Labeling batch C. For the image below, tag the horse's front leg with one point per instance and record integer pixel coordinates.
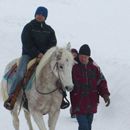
(53, 117)
(27, 116)
(38, 118)
(15, 118)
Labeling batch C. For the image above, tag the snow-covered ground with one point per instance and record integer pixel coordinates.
(104, 25)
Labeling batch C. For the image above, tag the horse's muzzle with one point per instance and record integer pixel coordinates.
(68, 88)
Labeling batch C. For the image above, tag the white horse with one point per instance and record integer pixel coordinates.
(45, 97)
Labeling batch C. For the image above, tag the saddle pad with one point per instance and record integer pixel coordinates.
(11, 77)
(29, 64)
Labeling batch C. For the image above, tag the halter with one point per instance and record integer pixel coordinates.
(42, 93)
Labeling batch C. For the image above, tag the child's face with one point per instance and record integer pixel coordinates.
(74, 54)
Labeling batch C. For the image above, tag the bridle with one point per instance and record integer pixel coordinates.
(57, 88)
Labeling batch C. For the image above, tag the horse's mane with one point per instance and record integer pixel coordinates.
(45, 59)
(66, 53)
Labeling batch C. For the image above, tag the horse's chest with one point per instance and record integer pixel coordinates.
(43, 103)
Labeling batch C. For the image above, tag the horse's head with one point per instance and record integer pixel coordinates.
(63, 67)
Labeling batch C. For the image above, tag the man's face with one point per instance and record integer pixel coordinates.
(84, 59)
(40, 18)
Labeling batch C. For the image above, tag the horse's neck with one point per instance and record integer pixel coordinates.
(46, 78)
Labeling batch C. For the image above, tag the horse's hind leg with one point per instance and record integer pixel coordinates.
(15, 119)
(38, 118)
(27, 116)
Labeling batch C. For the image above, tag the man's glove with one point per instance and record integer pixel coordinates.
(107, 100)
(40, 55)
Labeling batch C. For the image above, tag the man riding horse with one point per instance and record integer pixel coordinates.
(37, 37)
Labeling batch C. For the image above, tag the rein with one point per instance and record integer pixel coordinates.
(42, 93)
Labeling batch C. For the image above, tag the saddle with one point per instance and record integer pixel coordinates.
(30, 69)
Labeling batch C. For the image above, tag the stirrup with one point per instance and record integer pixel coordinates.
(65, 104)
(25, 102)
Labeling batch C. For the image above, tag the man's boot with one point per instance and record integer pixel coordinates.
(10, 102)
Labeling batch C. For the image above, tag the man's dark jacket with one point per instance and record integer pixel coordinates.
(37, 38)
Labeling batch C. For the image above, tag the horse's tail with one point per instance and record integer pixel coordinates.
(4, 90)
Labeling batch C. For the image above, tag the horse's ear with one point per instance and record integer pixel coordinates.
(68, 47)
